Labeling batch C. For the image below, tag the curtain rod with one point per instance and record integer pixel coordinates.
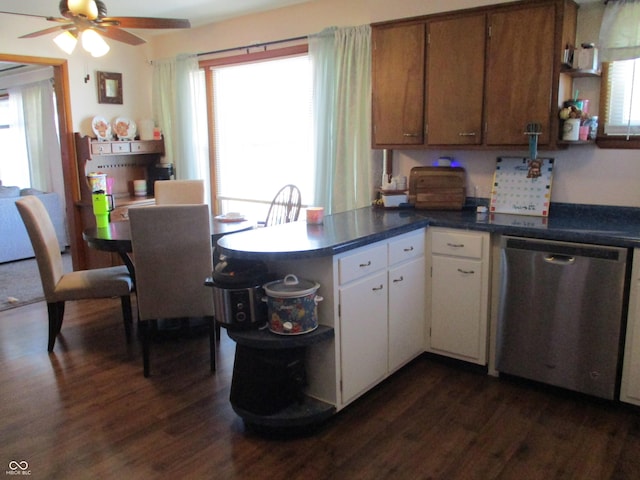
(255, 45)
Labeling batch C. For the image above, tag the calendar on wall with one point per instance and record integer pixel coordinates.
(522, 186)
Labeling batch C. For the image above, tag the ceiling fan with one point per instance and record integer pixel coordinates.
(81, 16)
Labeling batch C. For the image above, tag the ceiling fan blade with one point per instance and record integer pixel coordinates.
(119, 35)
(148, 22)
(46, 31)
(57, 19)
(26, 14)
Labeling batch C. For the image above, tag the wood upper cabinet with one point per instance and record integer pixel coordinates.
(487, 73)
(398, 85)
(520, 66)
(455, 80)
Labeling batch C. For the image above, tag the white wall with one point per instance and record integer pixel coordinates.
(132, 62)
(583, 174)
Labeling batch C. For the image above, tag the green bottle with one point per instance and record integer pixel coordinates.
(102, 206)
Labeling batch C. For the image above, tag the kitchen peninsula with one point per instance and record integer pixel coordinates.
(359, 257)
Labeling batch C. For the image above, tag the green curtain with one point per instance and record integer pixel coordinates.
(620, 31)
(179, 111)
(42, 137)
(341, 59)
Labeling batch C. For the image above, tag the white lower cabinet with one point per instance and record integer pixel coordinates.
(458, 294)
(630, 386)
(406, 312)
(381, 310)
(363, 333)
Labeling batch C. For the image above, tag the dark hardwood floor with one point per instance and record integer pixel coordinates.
(85, 411)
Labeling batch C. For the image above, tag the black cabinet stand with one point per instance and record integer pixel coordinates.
(267, 389)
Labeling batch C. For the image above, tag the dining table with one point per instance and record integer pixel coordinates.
(116, 237)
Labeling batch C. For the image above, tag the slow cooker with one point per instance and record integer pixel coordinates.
(237, 292)
(292, 305)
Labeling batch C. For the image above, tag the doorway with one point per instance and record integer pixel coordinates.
(67, 148)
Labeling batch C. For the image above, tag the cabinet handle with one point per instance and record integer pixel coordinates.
(455, 245)
(466, 272)
(375, 289)
(413, 135)
(410, 249)
(368, 264)
(396, 280)
(467, 134)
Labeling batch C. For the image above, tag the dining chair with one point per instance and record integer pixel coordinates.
(285, 206)
(177, 192)
(60, 287)
(172, 249)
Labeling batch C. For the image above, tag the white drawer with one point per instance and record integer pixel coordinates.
(100, 148)
(457, 244)
(362, 262)
(123, 147)
(405, 247)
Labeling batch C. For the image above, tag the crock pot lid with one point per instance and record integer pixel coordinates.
(234, 272)
(291, 286)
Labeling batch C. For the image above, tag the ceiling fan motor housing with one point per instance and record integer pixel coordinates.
(90, 9)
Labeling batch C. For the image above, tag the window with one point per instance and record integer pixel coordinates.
(263, 132)
(621, 101)
(14, 162)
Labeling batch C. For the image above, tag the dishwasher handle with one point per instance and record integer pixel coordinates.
(560, 259)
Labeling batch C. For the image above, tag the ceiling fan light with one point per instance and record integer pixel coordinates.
(93, 43)
(66, 41)
(85, 8)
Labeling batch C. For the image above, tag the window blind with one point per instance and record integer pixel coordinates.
(623, 93)
(262, 132)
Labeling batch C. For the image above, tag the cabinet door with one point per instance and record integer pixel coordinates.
(398, 85)
(455, 80)
(520, 64)
(363, 331)
(406, 312)
(630, 387)
(457, 325)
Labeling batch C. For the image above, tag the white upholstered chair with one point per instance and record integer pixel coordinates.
(60, 287)
(172, 251)
(177, 192)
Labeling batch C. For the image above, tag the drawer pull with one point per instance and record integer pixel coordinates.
(410, 249)
(396, 280)
(455, 245)
(368, 264)
(466, 272)
(375, 289)
(412, 135)
(467, 134)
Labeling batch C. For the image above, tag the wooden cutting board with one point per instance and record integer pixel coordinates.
(437, 188)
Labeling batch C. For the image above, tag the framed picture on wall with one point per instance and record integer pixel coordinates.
(110, 88)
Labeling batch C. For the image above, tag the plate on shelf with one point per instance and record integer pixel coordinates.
(124, 128)
(230, 217)
(101, 127)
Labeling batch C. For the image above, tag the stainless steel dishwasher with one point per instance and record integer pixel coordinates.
(561, 313)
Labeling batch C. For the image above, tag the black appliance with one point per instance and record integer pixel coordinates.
(158, 171)
(237, 292)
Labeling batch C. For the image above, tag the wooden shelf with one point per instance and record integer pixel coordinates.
(264, 339)
(576, 142)
(122, 160)
(574, 72)
(310, 411)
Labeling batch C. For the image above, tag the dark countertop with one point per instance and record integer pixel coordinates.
(595, 224)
